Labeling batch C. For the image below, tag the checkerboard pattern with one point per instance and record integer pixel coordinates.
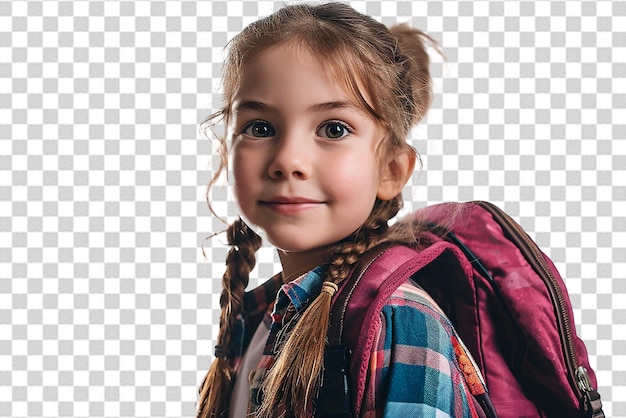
(108, 307)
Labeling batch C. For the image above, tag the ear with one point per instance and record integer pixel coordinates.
(395, 173)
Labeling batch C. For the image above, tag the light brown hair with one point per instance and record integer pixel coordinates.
(385, 71)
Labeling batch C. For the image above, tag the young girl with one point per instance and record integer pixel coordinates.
(319, 101)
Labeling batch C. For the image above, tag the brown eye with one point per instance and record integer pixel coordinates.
(259, 129)
(333, 130)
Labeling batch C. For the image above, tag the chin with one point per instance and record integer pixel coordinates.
(291, 245)
(288, 246)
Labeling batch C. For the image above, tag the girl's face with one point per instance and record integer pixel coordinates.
(305, 165)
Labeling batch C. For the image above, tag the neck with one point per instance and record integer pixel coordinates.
(296, 264)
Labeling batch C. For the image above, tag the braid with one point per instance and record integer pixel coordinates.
(217, 386)
(371, 233)
(295, 378)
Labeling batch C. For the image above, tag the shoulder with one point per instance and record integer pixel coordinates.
(414, 364)
(412, 294)
(412, 317)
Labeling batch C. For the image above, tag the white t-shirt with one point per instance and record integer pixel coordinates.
(250, 362)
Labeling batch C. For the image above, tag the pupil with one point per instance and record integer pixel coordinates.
(334, 131)
(260, 129)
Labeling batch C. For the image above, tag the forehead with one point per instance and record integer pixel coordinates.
(283, 69)
(279, 73)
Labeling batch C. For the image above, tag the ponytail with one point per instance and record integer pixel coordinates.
(414, 74)
(217, 387)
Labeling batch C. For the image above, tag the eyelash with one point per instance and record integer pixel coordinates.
(250, 124)
(335, 122)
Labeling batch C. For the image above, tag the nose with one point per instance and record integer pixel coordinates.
(291, 159)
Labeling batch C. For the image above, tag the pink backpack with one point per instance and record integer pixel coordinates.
(506, 300)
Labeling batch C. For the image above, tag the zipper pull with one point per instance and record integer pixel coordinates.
(583, 380)
(590, 402)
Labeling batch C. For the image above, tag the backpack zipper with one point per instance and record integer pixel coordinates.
(577, 376)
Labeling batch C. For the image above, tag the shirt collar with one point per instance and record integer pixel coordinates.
(301, 290)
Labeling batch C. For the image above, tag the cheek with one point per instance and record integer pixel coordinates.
(236, 165)
(241, 174)
(355, 176)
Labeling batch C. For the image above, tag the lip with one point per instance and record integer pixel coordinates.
(287, 205)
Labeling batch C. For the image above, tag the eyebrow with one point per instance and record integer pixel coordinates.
(320, 107)
(252, 105)
(330, 106)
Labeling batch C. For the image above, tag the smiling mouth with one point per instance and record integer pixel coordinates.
(289, 206)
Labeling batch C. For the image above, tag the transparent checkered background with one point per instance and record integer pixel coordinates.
(108, 306)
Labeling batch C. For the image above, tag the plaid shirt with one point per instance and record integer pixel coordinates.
(413, 370)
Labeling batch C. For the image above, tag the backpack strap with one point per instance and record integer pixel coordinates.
(346, 290)
(363, 295)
